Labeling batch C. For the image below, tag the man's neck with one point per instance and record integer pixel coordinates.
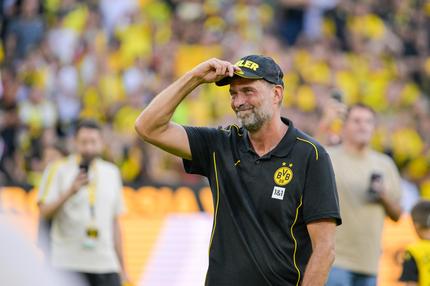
(356, 149)
(269, 136)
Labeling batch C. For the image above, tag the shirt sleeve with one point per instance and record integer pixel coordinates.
(320, 199)
(49, 187)
(201, 140)
(410, 269)
(394, 187)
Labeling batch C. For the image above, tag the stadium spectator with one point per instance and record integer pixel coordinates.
(37, 112)
(369, 189)
(415, 266)
(26, 31)
(9, 131)
(292, 18)
(82, 195)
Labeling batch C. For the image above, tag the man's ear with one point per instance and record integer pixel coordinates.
(278, 94)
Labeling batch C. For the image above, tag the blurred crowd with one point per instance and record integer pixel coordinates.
(62, 60)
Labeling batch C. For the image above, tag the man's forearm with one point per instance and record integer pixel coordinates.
(156, 116)
(392, 208)
(318, 267)
(49, 210)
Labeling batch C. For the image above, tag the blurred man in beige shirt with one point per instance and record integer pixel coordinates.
(369, 189)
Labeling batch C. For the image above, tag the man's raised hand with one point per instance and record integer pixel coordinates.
(214, 70)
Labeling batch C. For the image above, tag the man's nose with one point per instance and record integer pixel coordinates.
(238, 101)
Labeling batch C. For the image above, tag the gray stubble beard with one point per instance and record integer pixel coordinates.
(256, 118)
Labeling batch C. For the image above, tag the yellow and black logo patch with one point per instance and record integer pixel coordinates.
(247, 64)
(283, 175)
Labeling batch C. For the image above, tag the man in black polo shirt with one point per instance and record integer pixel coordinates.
(276, 205)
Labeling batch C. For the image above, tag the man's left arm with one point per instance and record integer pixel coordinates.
(390, 191)
(321, 214)
(322, 233)
(392, 207)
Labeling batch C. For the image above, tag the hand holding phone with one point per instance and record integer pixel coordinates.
(376, 187)
(80, 181)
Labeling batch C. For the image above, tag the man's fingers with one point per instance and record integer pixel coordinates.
(343, 110)
(217, 67)
(82, 175)
(227, 68)
(82, 178)
(223, 69)
(83, 182)
(230, 70)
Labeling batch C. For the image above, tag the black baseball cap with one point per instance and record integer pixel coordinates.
(256, 67)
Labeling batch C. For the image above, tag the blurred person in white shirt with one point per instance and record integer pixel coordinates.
(82, 194)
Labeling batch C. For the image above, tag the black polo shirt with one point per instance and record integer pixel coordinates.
(262, 204)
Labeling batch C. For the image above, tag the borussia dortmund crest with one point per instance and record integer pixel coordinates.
(283, 175)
